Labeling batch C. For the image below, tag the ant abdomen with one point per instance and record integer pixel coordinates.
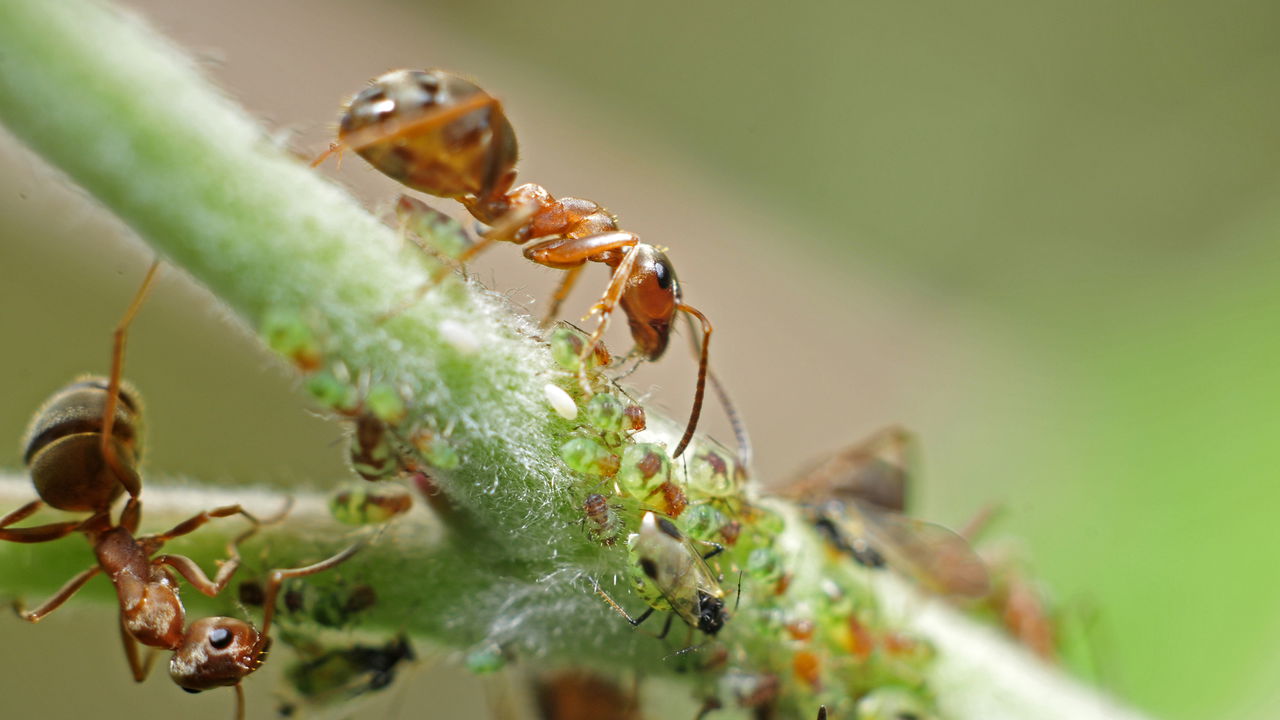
(434, 132)
(63, 446)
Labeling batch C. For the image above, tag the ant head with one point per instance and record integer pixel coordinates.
(217, 652)
(711, 613)
(434, 132)
(64, 451)
(650, 300)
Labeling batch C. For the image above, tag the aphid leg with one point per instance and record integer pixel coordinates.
(635, 622)
(716, 549)
(277, 578)
(666, 626)
(39, 533)
(129, 480)
(702, 378)
(71, 588)
(137, 665)
(740, 434)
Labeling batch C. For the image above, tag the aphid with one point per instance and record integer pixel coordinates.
(582, 696)
(856, 498)
(325, 676)
(445, 136)
(605, 524)
(369, 504)
(82, 449)
(671, 575)
(892, 703)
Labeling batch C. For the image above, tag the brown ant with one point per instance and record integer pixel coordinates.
(443, 135)
(82, 450)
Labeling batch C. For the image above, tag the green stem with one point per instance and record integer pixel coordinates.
(128, 118)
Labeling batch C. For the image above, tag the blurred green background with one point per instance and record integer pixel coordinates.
(1044, 237)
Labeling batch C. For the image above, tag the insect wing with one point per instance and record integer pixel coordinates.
(874, 471)
(675, 568)
(938, 559)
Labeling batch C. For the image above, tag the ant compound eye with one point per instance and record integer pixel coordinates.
(220, 638)
(664, 273)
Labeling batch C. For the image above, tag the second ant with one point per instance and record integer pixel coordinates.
(443, 135)
(82, 450)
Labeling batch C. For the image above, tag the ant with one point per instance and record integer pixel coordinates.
(82, 450)
(443, 135)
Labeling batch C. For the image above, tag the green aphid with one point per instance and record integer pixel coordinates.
(765, 566)
(333, 393)
(671, 575)
(486, 660)
(589, 456)
(384, 402)
(893, 703)
(436, 450)
(703, 522)
(440, 233)
(644, 468)
(367, 504)
(566, 349)
(286, 333)
(714, 472)
(605, 412)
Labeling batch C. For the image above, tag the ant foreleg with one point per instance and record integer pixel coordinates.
(71, 588)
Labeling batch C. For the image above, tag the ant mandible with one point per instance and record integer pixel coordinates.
(443, 135)
(82, 450)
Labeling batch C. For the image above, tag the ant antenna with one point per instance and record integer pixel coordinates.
(702, 377)
(740, 433)
(107, 446)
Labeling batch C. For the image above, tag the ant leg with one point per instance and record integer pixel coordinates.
(139, 667)
(21, 513)
(129, 480)
(239, 701)
(71, 588)
(37, 534)
(702, 378)
(131, 516)
(193, 523)
(277, 578)
(187, 567)
(562, 292)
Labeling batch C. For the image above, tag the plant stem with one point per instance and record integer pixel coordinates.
(128, 118)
